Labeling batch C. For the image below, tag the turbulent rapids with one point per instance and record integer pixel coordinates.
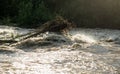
(88, 51)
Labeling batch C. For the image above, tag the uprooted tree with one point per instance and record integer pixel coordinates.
(58, 25)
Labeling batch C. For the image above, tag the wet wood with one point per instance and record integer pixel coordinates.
(57, 25)
(7, 41)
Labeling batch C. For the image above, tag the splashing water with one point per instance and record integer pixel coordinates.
(83, 38)
(65, 60)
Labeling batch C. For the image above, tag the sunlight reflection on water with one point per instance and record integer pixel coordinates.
(65, 61)
(83, 38)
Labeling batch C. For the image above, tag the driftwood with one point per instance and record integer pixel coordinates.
(7, 41)
(56, 25)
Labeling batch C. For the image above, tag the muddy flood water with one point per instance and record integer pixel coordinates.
(81, 51)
